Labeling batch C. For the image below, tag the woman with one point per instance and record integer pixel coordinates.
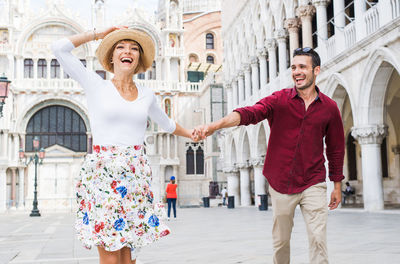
(171, 196)
(116, 212)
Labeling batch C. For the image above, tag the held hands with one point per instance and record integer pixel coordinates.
(201, 132)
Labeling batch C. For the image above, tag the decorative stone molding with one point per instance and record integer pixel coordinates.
(242, 165)
(305, 11)
(246, 67)
(254, 61)
(228, 86)
(270, 43)
(257, 162)
(396, 149)
(292, 24)
(261, 52)
(231, 169)
(240, 74)
(321, 2)
(372, 134)
(281, 34)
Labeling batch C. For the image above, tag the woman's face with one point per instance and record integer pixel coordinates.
(125, 57)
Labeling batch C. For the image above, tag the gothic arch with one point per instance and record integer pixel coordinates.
(379, 67)
(43, 102)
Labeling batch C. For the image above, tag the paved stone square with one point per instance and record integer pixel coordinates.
(209, 235)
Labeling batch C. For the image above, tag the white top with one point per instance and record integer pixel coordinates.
(114, 120)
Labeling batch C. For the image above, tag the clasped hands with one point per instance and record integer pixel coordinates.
(201, 132)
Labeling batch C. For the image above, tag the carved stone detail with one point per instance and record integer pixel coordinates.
(396, 149)
(305, 10)
(372, 134)
(293, 24)
(270, 43)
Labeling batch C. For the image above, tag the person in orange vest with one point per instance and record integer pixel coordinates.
(171, 196)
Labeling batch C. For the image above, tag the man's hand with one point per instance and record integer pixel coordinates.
(195, 135)
(336, 196)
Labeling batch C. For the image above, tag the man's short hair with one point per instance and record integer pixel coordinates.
(307, 51)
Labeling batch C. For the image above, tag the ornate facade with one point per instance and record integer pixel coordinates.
(358, 42)
(45, 102)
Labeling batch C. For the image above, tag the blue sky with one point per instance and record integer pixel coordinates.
(115, 7)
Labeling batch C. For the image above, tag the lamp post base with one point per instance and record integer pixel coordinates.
(35, 213)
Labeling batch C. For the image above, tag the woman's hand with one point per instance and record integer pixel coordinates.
(102, 33)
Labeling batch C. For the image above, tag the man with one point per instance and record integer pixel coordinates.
(349, 191)
(300, 119)
(224, 194)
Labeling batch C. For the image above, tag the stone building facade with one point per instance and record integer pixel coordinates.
(45, 102)
(358, 42)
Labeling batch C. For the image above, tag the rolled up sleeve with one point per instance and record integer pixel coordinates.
(258, 112)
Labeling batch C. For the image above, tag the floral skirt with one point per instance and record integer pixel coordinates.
(115, 201)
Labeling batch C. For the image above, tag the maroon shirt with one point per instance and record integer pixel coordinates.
(295, 154)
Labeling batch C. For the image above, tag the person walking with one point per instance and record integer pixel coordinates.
(301, 119)
(116, 211)
(224, 194)
(171, 196)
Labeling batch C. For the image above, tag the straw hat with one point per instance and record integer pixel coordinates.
(104, 51)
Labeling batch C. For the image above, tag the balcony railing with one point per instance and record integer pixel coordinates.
(331, 46)
(350, 34)
(71, 85)
(372, 19)
(176, 52)
(395, 4)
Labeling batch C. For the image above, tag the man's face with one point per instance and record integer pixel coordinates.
(303, 73)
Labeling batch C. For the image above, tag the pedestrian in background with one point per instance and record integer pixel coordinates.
(224, 194)
(171, 196)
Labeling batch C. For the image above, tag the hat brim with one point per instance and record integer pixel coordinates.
(104, 51)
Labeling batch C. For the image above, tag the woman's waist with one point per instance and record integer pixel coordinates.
(116, 149)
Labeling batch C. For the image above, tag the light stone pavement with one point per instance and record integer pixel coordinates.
(209, 235)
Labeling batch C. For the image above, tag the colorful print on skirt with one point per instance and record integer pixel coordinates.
(115, 201)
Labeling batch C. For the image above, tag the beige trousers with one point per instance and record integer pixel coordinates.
(314, 207)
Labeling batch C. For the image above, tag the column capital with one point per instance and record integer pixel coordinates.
(242, 165)
(246, 67)
(257, 162)
(254, 61)
(231, 169)
(305, 11)
(321, 2)
(240, 74)
(370, 134)
(396, 149)
(261, 52)
(228, 86)
(270, 43)
(281, 34)
(293, 24)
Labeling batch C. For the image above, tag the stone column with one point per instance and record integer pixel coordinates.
(176, 147)
(245, 194)
(10, 146)
(168, 146)
(359, 11)
(254, 75)
(242, 95)
(292, 25)
(182, 70)
(262, 57)
(48, 68)
(4, 145)
(235, 94)
(340, 23)
(232, 177)
(396, 152)
(271, 45)
(158, 68)
(322, 26)
(306, 12)
(3, 185)
(21, 188)
(228, 88)
(16, 147)
(35, 68)
(260, 182)
(370, 138)
(247, 81)
(20, 67)
(13, 187)
(281, 39)
(167, 68)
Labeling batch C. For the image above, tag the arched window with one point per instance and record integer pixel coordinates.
(351, 158)
(57, 125)
(190, 161)
(55, 69)
(42, 68)
(199, 161)
(194, 158)
(28, 68)
(167, 104)
(210, 59)
(209, 41)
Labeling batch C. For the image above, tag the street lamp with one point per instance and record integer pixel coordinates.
(4, 82)
(37, 159)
